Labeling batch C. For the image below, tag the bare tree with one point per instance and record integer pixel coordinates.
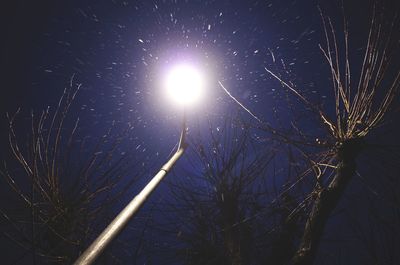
(222, 209)
(64, 186)
(360, 107)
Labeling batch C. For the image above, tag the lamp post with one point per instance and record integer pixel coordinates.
(184, 86)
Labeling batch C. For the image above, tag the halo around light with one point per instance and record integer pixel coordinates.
(184, 84)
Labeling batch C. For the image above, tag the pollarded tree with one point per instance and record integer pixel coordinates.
(361, 106)
(222, 209)
(64, 185)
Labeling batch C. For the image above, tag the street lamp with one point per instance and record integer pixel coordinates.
(184, 85)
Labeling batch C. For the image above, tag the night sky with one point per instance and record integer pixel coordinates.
(118, 52)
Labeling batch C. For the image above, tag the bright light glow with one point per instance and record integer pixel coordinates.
(184, 84)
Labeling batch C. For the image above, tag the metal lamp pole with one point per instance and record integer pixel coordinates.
(122, 219)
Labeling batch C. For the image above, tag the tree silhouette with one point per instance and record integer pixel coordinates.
(64, 186)
(360, 108)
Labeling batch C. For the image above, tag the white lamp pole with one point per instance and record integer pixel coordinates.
(122, 219)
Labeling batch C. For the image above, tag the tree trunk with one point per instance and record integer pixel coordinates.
(326, 201)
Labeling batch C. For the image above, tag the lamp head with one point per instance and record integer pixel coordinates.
(184, 84)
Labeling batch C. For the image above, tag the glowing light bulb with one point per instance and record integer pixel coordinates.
(184, 84)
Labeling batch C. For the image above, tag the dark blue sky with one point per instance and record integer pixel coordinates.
(117, 49)
(114, 48)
